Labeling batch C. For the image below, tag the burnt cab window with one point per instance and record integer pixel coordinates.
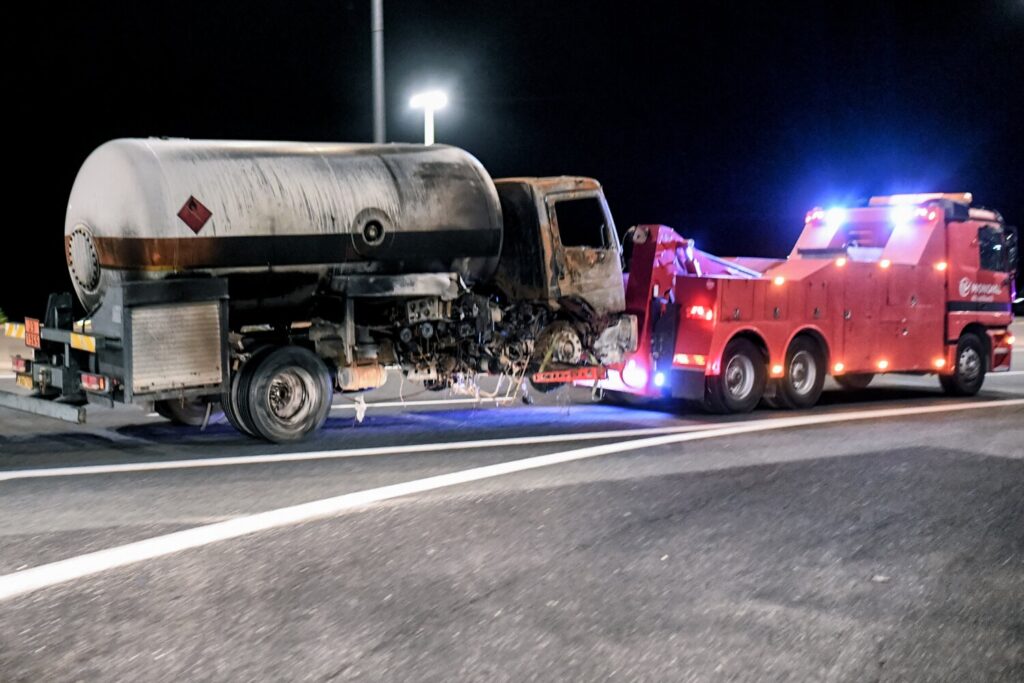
(993, 251)
(581, 223)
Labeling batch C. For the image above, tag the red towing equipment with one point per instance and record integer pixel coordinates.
(909, 283)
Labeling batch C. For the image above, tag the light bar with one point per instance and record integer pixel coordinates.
(899, 199)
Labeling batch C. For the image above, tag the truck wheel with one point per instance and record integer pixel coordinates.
(232, 401)
(854, 381)
(740, 385)
(190, 412)
(969, 373)
(288, 395)
(800, 386)
(558, 345)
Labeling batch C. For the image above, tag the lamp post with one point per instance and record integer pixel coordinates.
(429, 102)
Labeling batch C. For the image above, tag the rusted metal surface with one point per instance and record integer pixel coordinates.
(171, 205)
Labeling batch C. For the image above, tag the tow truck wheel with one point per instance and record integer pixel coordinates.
(854, 381)
(800, 386)
(969, 372)
(190, 412)
(740, 384)
(289, 394)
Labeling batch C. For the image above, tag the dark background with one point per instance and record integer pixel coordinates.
(725, 120)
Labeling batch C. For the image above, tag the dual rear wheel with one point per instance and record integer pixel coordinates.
(743, 381)
(280, 394)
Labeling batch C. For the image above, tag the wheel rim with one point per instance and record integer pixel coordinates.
(803, 372)
(739, 377)
(291, 395)
(969, 364)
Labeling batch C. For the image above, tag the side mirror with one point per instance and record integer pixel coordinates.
(1012, 250)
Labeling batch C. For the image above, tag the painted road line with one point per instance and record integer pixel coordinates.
(438, 402)
(1010, 373)
(55, 573)
(6, 375)
(270, 458)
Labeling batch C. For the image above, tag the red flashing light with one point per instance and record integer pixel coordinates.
(700, 313)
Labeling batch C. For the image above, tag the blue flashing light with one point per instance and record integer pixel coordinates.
(836, 216)
(659, 379)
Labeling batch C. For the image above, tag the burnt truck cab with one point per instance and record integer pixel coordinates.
(560, 244)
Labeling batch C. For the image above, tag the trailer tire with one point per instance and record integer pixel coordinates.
(855, 381)
(288, 394)
(800, 386)
(741, 383)
(969, 367)
(186, 412)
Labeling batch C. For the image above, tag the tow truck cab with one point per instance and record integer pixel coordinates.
(908, 283)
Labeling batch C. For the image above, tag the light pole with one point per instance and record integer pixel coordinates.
(377, 39)
(429, 102)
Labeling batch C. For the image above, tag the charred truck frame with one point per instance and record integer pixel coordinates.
(265, 276)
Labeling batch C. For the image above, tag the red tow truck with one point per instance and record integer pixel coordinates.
(918, 284)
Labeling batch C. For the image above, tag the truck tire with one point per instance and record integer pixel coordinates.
(190, 412)
(800, 386)
(969, 368)
(740, 385)
(854, 381)
(232, 401)
(558, 346)
(288, 394)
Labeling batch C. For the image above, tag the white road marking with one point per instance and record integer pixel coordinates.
(1010, 373)
(55, 573)
(270, 458)
(6, 375)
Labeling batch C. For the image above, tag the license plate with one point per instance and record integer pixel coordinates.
(32, 338)
(24, 381)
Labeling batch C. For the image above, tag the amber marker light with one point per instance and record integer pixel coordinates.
(779, 280)
(776, 371)
(838, 368)
(941, 266)
(940, 362)
(884, 263)
(883, 364)
(841, 261)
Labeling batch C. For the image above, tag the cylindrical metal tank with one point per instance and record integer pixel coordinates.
(155, 208)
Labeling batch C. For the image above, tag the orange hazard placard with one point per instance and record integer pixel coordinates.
(32, 333)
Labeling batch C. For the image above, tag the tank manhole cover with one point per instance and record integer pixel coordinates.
(194, 214)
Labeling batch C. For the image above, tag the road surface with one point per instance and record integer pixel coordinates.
(877, 537)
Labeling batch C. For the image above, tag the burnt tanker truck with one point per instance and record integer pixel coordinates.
(266, 275)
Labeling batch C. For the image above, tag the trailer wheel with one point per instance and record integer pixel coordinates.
(288, 395)
(804, 377)
(189, 412)
(741, 383)
(969, 372)
(854, 381)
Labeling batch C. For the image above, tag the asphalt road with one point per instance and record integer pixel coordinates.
(881, 538)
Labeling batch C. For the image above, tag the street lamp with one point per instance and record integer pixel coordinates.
(429, 102)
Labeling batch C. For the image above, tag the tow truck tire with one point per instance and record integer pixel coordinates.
(800, 386)
(854, 381)
(288, 395)
(969, 368)
(740, 385)
(190, 412)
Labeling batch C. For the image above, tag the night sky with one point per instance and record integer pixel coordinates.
(726, 120)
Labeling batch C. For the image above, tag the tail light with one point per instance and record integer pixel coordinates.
(97, 383)
(634, 374)
(693, 359)
(22, 365)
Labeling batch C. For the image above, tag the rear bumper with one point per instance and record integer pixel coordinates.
(41, 406)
